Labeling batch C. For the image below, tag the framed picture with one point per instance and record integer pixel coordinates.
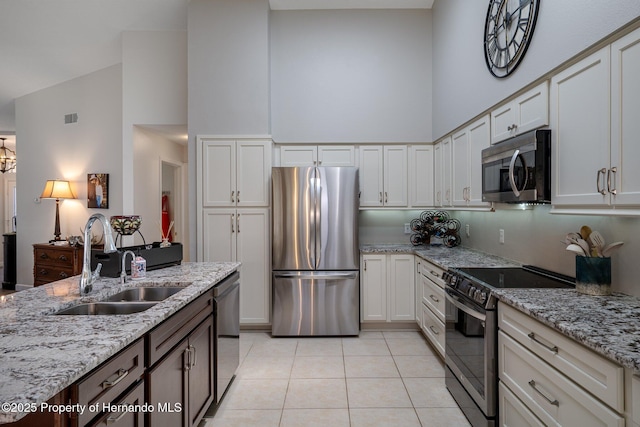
(98, 190)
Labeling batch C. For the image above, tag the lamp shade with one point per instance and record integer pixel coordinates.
(57, 189)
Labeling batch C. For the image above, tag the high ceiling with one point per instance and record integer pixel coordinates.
(46, 42)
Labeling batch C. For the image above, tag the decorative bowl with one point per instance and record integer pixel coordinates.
(125, 224)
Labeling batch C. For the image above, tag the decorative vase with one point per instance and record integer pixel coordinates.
(593, 275)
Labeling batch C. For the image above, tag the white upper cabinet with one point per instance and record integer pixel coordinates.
(460, 141)
(321, 155)
(467, 161)
(594, 117)
(437, 174)
(623, 180)
(383, 175)
(526, 112)
(447, 172)
(395, 175)
(421, 176)
(235, 172)
(580, 131)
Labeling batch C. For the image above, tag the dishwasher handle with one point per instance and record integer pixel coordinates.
(223, 287)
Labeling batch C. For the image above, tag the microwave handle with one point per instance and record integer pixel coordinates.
(512, 179)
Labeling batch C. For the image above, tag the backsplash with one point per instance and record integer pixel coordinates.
(530, 237)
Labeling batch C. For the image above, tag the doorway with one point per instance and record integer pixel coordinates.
(172, 204)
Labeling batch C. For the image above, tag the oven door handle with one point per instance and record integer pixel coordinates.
(512, 178)
(458, 303)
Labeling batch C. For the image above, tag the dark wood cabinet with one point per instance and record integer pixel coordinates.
(51, 262)
(170, 369)
(184, 376)
(105, 384)
(118, 418)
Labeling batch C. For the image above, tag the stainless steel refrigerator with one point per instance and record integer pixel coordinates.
(315, 251)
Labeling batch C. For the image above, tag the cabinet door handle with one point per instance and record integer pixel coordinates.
(121, 374)
(187, 362)
(233, 220)
(548, 347)
(433, 330)
(434, 298)
(365, 265)
(438, 197)
(600, 172)
(113, 420)
(433, 273)
(381, 197)
(238, 223)
(610, 172)
(195, 355)
(238, 197)
(386, 197)
(232, 196)
(446, 195)
(534, 386)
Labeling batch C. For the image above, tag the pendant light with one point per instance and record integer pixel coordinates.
(7, 158)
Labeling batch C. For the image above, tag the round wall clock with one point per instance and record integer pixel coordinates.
(507, 33)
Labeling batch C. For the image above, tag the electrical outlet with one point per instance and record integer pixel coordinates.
(502, 236)
(407, 228)
(466, 230)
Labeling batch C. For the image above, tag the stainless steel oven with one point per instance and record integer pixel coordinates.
(471, 333)
(470, 356)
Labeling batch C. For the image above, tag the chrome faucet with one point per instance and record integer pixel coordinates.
(123, 270)
(88, 277)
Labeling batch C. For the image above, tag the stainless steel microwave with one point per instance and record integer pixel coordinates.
(518, 170)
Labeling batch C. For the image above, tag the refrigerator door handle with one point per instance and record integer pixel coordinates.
(318, 208)
(315, 275)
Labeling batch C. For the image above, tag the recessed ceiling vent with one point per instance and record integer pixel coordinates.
(70, 118)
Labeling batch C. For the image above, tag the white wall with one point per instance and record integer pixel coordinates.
(228, 57)
(154, 87)
(464, 87)
(351, 76)
(150, 150)
(49, 149)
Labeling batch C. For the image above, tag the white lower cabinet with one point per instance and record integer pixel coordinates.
(513, 413)
(432, 307)
(242, 235)
(548, 377)
(387, 288)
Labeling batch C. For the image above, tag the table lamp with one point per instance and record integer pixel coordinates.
(57, 189)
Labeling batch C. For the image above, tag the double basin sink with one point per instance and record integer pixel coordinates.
(128, 301)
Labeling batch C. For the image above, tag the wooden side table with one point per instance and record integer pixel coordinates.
(51, 262)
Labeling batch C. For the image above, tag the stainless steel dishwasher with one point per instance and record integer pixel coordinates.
(227, 333)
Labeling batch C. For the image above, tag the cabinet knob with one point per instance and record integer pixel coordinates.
(42, 272)
(63, 258)
(63, 275)
(44, 256)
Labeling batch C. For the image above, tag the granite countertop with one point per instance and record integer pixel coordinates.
(442, 256)
(608, 325)
(41, 354)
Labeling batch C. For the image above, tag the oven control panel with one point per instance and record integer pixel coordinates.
(466, 287)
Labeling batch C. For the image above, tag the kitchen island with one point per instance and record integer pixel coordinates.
(41, 354)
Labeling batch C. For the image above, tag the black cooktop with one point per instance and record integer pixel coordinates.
(517, 277)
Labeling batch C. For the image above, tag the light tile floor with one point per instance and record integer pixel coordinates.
(377, 379)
